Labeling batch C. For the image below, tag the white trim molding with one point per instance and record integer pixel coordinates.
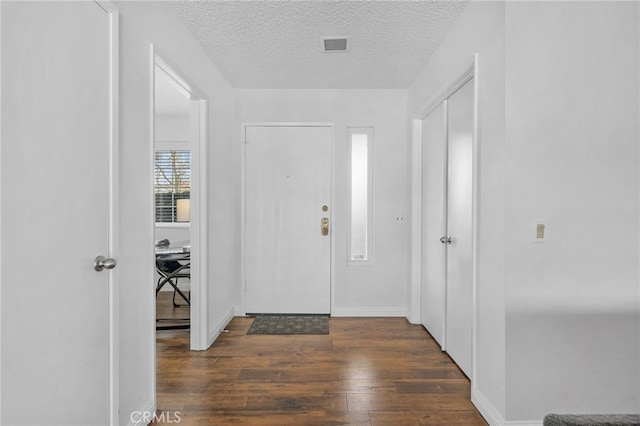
(369, 312)
(486, 408)
(1, 215)
(492, 415)
(199, 130)
(414, 304)
(474, 220)
(114, 205)
(220, 326)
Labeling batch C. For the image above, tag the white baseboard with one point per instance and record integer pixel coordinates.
(217, 329)
(141, 417)
(486, 408)
(492, 415)
(353, 312)
(369, 312)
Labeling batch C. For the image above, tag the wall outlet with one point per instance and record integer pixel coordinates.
(399, 220)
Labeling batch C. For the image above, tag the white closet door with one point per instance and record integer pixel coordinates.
(433, 223)
(459, 273)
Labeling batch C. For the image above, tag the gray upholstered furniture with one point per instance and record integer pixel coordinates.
(592, 420)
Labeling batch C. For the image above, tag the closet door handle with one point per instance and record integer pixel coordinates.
(100, 263)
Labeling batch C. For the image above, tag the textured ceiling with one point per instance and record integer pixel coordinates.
(277, 44)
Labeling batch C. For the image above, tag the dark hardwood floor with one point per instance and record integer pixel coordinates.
(367, 371)
(167, 315)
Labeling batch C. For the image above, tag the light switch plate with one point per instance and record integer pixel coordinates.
(540, 230)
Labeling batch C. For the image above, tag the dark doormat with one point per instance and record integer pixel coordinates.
(290, 324)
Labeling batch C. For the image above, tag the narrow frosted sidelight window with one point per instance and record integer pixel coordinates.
(360, 194)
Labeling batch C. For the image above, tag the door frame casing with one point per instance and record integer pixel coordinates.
(114, 204)
(1, 198)
(415, 290)
(243, 245)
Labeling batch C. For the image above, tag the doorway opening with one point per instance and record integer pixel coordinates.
(179, 192)
(172, 198)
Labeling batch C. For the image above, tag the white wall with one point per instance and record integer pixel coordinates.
(572, 318)
(143, 23)
(558, 323)
(480, 29)
(172, 128)
(378, 289)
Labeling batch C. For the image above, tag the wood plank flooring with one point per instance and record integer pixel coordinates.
(167, 314)
(367, 371)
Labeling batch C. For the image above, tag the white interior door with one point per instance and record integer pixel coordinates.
(56, 213)
(287, 183)
(459, 272)
(433, 223)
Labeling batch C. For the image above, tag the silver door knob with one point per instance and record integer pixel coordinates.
(102, 262)
(445, 240)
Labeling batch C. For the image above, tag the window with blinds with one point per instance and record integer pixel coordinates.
(172, 178)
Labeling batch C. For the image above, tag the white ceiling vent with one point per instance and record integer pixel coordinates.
(334, 44)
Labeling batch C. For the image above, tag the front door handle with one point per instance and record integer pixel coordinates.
(324, 226)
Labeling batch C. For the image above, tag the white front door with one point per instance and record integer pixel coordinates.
(56, 213)
(287, 197)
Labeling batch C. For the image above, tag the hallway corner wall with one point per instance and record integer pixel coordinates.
(480, 29)
(143, 23)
